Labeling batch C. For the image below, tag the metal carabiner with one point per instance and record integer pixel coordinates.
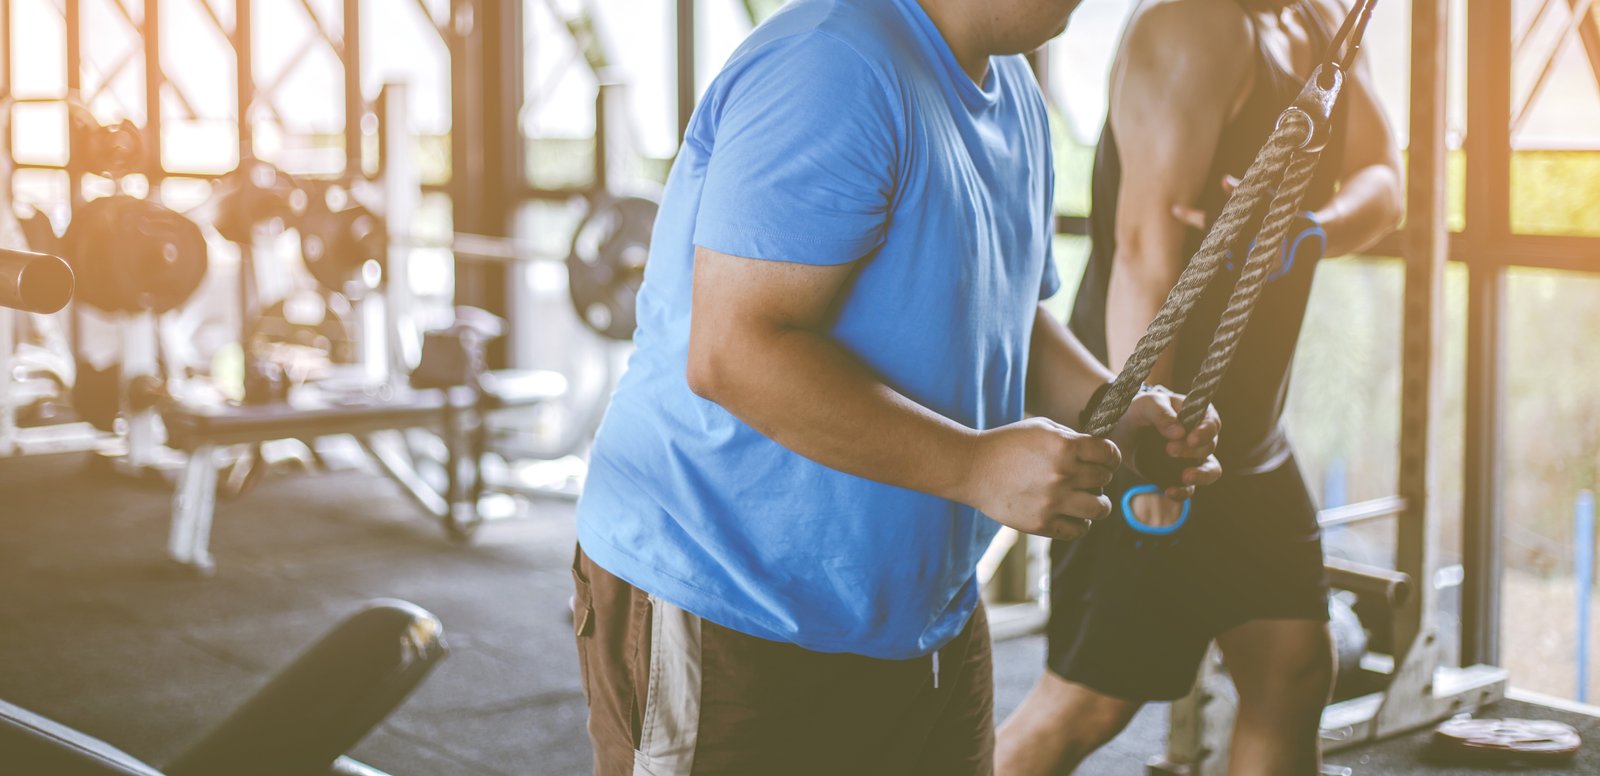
(1349, 38)
(1316, 102)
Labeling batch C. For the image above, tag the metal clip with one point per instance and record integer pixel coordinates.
(1316, 103)
(1350, 35)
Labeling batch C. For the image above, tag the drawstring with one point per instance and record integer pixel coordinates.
(936, 669)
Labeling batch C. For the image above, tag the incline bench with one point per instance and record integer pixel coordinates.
(313, 413)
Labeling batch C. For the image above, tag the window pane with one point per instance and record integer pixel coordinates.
(401, 43)
(1552, 453)
(298, 113)
(1555, 119)
(1344, 403)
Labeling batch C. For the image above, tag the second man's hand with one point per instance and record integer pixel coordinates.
(1037, 476)
(1158, 410)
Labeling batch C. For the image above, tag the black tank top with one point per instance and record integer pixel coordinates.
(1251, 397)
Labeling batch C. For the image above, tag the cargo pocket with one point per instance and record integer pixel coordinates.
(582, 619)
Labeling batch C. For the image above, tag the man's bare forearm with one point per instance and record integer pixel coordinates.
(1139, 285)
(1366, 208)
(1062, 373)
(805, 392)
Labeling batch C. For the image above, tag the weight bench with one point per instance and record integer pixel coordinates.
(314, 413)
(301, 723)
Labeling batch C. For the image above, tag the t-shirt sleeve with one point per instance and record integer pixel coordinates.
(803, 155)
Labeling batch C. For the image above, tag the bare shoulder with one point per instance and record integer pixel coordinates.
(1190, 42)
(1331, 11)
(1334, 13)
(1201, 25)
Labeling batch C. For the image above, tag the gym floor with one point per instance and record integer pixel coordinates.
(97, 631)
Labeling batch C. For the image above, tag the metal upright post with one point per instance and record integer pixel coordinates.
(71, 11)
(487, 177)
(8, 411)
(1488, 206)
(402, 189)
(1426, 250)
(74, 166)
(354, 106)
(244, 76)
(1583, 580)
(687, 89)
(244, 84)
(154, 78)
(8, 84)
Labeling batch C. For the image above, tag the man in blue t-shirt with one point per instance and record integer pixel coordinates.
(825, 421)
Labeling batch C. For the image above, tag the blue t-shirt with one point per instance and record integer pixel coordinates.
(840, 131)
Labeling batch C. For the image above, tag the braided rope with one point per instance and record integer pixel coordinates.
(1252, 280)
(1280, 175)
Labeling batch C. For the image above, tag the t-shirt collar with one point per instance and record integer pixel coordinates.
(974, 96)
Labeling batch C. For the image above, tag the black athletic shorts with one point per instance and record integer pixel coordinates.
(1131, 615)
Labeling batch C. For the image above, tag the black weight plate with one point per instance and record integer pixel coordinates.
(320, 246)
(257, 193)
(86, 246)
(335, 245)
(158, 257)
(605, 267)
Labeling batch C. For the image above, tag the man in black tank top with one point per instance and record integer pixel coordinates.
(1195, 91)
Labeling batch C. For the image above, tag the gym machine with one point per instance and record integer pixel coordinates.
(1398, 665)
(429, 416)
(1407, 677)
(302, 721)
(38, 342)
(136, 262)
(31, 284)
(326, 323)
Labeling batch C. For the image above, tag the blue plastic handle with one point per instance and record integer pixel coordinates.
(1151, 530)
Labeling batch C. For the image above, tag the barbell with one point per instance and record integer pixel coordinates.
(134, 255)
(605, 259)
(34, 282)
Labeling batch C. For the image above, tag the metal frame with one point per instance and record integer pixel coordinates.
(1488, 210)
(1488, 246)
(486, 147)
(1424, 685)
